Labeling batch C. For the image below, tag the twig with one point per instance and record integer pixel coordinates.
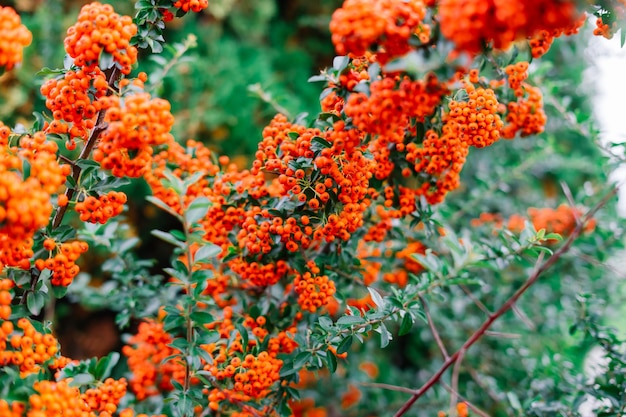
(502, 335)
(388, 387)
(455, 381)
(472, 407)
(524, 317)
(476, 301)
(433, 329)
(99, 127)
(570, 200)
(507, 305)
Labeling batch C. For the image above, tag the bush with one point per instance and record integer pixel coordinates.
(449, 192)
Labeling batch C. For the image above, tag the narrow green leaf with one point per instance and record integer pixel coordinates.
(331, 361)
(405, 326)
(167, 237)
(344, 345)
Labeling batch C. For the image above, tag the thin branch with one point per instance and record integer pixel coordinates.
(472, 407)
(433, 329)
(570, 200)
(476, 301)
(388, 387)
(508, 304)
(502, 335)
(455, 381)
(524, 317)
(99, 127)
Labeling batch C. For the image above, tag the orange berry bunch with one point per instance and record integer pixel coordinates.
(62, 264)
(106, 396)
(74, 99)
(542, 40)
(29, 350)
(146, 351)
(314, 290)
(607, 23)
(25, 203)
(252, 378)
(99, 29)
(5, 299)
(561, 220)
(441, 157)
(392, 105)
(194, 5)
(526, 115)
(57, 399)
(101, 209)
(15, 409)
(380, 26)
(136, 124)
(471, 24)
(258, 274)
(516, 75)
(14, 37)
(476, 119)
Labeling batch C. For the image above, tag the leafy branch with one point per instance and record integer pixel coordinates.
(508, 304)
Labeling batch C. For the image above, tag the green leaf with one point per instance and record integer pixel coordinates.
(197, 210)
(287, 369)
(106, 365)
(348, 321)
(340, 63)
(331, 361)
(385, 335)
(180, 344)
(376, 297)
(244, 335)
(326, 323)
(206, 252)
(344, 345)
(82, 379)
(167, 237)
(35, 302)
(405, 326)
(201, 317)
(162, 205)
(301, 359)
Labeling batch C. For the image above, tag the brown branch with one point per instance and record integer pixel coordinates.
(476, 301)
(455, 381)
(99, 127)
(433, 329)
(507, 305)
(472, 407)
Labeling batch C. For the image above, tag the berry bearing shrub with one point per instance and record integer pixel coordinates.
(342, 236)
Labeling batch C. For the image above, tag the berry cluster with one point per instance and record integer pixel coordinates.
(136, 124)
(194, 5)
(14, 37)
(384, 27)
(27, 350)
(74, 99)
(62, 264)
(314, 290)
(146, 352)
(101, 209)
(106, 396)
(25, 203)
(471, 24)
(99, 29)
(476, 120)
